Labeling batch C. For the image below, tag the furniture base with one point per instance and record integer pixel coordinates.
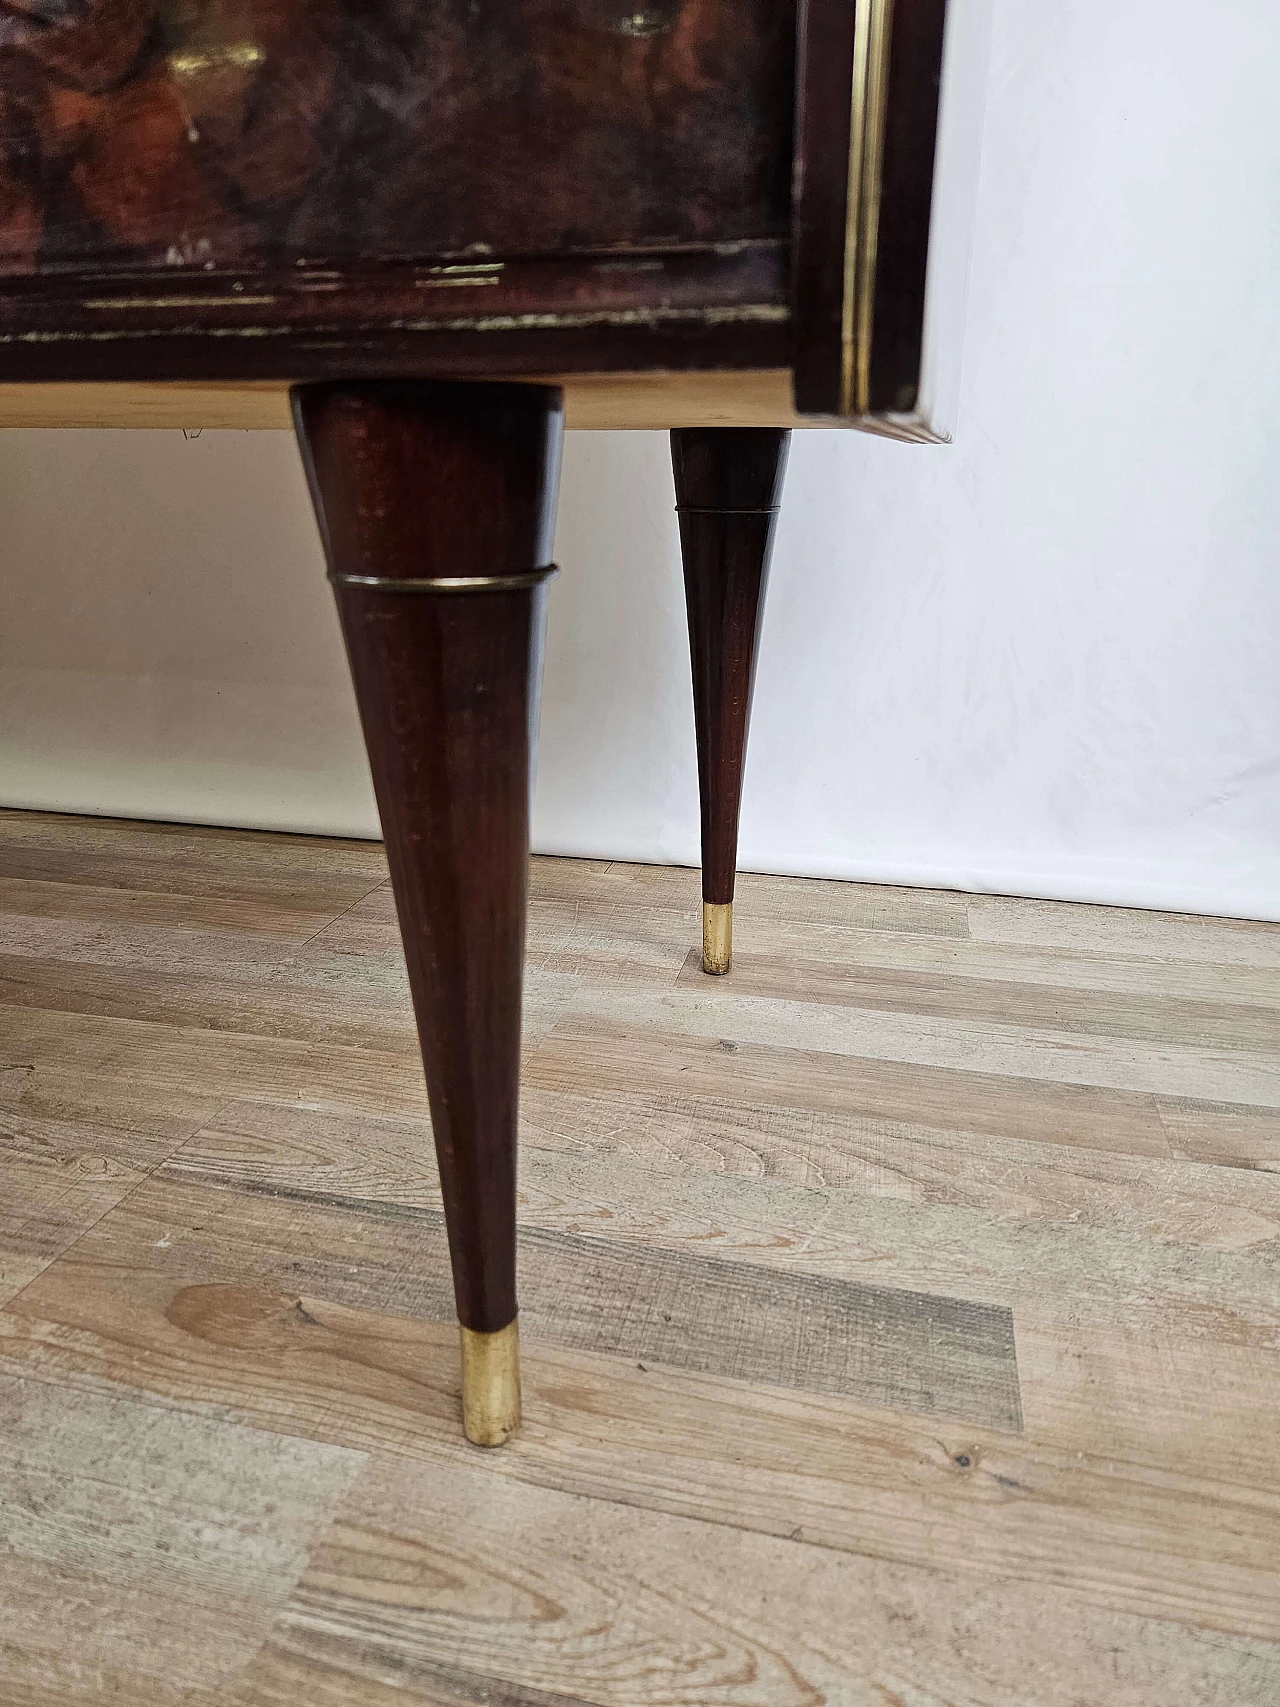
(436, 504)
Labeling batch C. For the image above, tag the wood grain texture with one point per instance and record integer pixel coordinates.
(158, 1297)
(725, 310)
(642, 1610)
(163, 132)
(416, 487)
(1227, 1075)
(260, 1269)
(1142, 1018)
(148, 1544)
(728, 492)
(60, 1177)
(612, 1056)
(598, 1180)
(1124, 931)
(651, 1299)
(891, 1348)
(1233, 1137)
(1066, 1505)
(319, 878)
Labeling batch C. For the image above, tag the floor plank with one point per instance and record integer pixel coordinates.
(1136, 1016)
(1124, 1269)
(1230, 1137)
(1178, 1201)
(666, 1303)
(607, 1055)
(928, 1265)
(329, 1320)
(1237, 1075)
(1125, 930)
(312, 873)
(49, 1199)
(635, 1609)
(1249, 982)
(146, 1540)
(287, 915)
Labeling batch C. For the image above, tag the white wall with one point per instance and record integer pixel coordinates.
(1045, 660)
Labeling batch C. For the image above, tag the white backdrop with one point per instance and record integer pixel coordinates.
(1045, 660)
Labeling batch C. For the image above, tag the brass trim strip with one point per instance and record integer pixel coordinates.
(449, 583)
(717, 937)
(868, 102)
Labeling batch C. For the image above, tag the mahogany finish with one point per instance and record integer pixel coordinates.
(473, 320)
(307, 189)
(728, 489)
(422, 485)
(252, 189)
(182, 132)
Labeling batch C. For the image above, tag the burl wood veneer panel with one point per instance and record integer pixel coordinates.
(181, 133)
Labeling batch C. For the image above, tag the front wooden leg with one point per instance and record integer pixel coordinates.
(728, 488)
(436, 503)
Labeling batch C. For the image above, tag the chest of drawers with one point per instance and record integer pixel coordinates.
(432, 224)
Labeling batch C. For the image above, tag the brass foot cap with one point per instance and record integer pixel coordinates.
(717, 936)
(491, 1384)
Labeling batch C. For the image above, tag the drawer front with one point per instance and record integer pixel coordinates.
(207, 134)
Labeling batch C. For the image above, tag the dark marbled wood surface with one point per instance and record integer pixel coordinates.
(238, 132)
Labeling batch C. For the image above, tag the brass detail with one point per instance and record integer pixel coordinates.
(751, 313)
(468, 281)
(449, 583)
(731, 314)
(232, 56)
(642, 23)
(717, 936)
(491, 1384)
(113, 302)
(867, 112)
(461, 275)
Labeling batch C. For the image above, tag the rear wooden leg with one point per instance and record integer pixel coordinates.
(728, 488)
(436, 503)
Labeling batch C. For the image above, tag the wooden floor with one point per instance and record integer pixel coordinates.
(901, 1314)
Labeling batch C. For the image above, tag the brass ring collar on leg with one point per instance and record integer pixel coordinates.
(513, 583)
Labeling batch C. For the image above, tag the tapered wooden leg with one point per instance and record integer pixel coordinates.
(436, 503)
(728, 487)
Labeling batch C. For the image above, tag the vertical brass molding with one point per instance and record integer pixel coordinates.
(862, 219)
(717, 936)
